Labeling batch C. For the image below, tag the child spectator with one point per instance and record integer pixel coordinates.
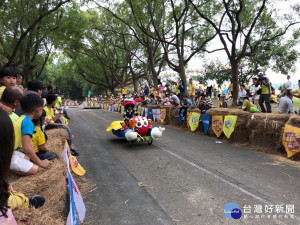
(32, 106)
(9, 198)
(7, 78)
(204, 104)
(55, 122)
(39, 139)
(223, 103)
(247, 105)
(11, 98)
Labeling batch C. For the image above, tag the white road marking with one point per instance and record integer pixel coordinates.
(100, 117)
(220, 178)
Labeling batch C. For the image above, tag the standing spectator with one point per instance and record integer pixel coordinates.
(285, 105)
(124, 92)
(242, 94)
(181, 88)
(247, 87)
(161, 91)
(296, 93)
(168, 90)
(289, 84)
(174, 99)
(152, 89)
(192, 89)
(219, 92)
(209, 91)
(265, 93)
(50, 86)
(146, 91)
(256, 92)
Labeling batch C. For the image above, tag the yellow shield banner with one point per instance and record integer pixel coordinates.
(291, 140)
(122, 109)
(163, 113)
(188, 116)
(75, 166)
(229, 125)
(217, 125)
(194, 121)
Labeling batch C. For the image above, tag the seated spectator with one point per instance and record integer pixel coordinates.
(247, 105)
(21, 164)
(39, 139)
(223, 103)
(10, 199)
(174, 99)
(53, 120)
(285, 105)
(35, 86)
(184, 106)
(151, 101)
(204, 104)
(242, 94)
(11, 98)
(166, 101)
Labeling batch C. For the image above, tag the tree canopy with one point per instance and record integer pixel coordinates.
(105, 45)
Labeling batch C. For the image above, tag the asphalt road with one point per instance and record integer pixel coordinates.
(186, 178)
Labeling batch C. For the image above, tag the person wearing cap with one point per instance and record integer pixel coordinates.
(265, 96)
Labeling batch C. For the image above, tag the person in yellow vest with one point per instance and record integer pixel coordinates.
(124, 92)
(192, 89)
(21, 164)
(247, 87)
(265, 96)
(247, 105)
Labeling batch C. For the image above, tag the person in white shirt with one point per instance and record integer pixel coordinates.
(285, 105)
(242, 94)
(289, 84)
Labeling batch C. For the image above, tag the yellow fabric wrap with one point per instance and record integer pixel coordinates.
(291, 140)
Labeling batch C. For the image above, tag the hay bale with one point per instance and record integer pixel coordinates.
(49, 183)
(266, 131)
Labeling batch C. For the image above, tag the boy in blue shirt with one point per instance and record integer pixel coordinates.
(32, 105)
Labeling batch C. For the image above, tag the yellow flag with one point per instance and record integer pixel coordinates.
(217, 125)
(229, 125)
(194, 121)
(75, 166)
(122, 109)
(163, 114)
(188, 116)
(291, 140)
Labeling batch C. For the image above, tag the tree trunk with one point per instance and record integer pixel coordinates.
(235, 81)
(182, 74)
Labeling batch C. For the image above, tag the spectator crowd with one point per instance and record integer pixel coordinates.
(25, 114)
